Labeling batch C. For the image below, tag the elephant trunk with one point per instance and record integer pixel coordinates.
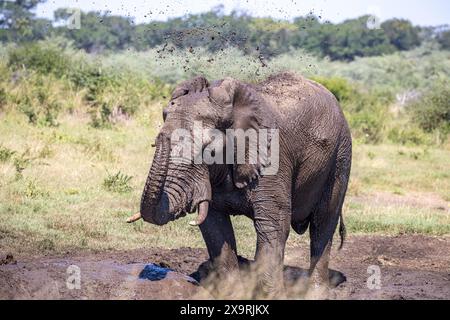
(151, 195)
(155, 204)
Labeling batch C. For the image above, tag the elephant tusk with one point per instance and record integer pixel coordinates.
(202, 214)
(134, 218)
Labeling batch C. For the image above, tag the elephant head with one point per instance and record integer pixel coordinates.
(175, 188)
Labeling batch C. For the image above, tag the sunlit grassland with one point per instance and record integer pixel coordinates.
(53, 198)
(400, 169)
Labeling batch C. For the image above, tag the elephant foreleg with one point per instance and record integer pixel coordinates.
(272, 233)
(218, 234)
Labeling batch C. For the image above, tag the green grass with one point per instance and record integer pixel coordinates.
(53, 197)
(391, 219)
(401, 169)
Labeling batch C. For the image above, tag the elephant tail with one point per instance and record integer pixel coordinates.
(342, 231)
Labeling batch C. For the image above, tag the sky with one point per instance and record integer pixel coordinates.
(420, 12)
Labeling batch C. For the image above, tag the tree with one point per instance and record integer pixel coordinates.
(444, 39)
(98, 31)
(18, 23)
(309, 34)
(216, 30)
(352, 38)
(401, 33)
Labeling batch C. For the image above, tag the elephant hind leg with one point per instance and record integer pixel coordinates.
(323, 224)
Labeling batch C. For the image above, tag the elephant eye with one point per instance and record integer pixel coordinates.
(179, 93)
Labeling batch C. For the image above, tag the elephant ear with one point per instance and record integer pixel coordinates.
(242, 108)
(197, 84)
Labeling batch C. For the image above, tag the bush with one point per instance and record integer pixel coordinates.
(367, 126)
(46, 73)
(46, 78)
(32, 190)
(5, 154)
(44, 59)
(409, 134)
(118, 182)
(38, 98)
(432, 111)
(21, 162)
(100, 116)
(444, 40)
(3, 98)
(340, 87)
(122, 97)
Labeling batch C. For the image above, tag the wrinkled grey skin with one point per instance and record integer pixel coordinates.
(308, 191)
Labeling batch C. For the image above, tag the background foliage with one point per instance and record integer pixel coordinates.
(215, 30)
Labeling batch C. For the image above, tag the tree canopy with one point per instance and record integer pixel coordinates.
(216, 30)
(17, 21)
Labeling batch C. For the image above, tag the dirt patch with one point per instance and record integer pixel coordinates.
(411, 267)
(110, 275)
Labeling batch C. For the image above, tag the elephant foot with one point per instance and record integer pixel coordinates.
(320, 289)
(336, 278)
(298, 283)
(221, 284)
(319, 284)
(207, 267)
(317, 291)
(267, 292)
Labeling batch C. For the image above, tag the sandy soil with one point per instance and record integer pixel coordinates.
(411, 267)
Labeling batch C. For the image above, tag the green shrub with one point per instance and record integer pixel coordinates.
(3, 98)
(432, 111)
(32, 190)
(158, 89)
(118, 182)
(341, 88)
(367, 126)
(113, 88)
(116, 100)
(44, 59)
(5, 153)
(444, 40)
(21, 162)
(100, 116)
(408, 134)
(38, 101)
(86, 75)
(26, 107)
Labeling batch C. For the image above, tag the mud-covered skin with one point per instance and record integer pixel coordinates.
(307, 191)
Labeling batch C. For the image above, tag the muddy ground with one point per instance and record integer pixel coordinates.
(411, 267)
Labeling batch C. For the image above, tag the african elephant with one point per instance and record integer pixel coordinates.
(308, 190)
